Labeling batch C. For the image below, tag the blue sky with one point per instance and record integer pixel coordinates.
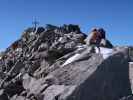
(116, 16)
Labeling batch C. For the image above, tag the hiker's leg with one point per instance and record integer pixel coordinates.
(92, 48)
(98, 48)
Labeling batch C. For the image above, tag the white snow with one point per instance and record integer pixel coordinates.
(71, 59)
(130, 62)
(60, 39)
(106, 52)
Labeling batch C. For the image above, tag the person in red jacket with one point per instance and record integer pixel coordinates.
(94, 39)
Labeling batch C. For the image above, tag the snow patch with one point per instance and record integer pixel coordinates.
(106, 52)
(60, 39)
(70, 60)
(130, 62)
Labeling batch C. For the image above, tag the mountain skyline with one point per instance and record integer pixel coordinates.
(114, 16)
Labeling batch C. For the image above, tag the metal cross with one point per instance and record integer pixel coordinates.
(35, 23)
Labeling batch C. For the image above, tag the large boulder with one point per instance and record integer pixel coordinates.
(130, 97)
(95, 78)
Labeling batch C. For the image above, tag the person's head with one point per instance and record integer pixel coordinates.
(102, 32)
(93, 29)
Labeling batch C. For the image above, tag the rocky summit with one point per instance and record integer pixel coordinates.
(58, 63)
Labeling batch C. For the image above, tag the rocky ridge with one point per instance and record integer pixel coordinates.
(54, 63)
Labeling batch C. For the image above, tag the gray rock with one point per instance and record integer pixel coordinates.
(130, 97)
(43, 47)
(36, 70)
(3, 96)
(131, 53)
(110, 83)
(131, 74)
(55, 91)
(96, 79)
(16, 68)
(34, 86)
(40, 30)
(16, 97)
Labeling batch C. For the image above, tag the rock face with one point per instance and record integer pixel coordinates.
(54, 63)
(131, 53)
